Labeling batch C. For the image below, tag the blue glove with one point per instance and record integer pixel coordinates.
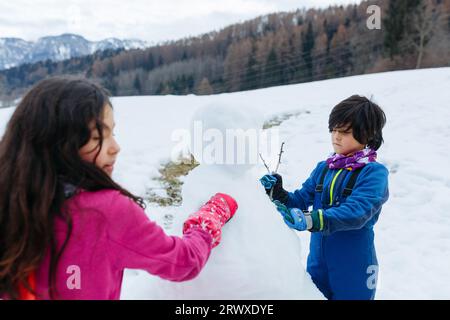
(268, 181)
(273, 184)
(281, 208)
(296, 219)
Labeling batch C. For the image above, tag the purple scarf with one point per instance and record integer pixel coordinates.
(352, 161)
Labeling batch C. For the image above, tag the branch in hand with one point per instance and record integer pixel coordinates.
(279, 157)
(265, 164)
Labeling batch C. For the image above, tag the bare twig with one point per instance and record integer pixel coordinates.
(265, 164)
(276, 169)
(279, 157)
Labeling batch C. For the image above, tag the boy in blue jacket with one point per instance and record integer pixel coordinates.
(346, 192)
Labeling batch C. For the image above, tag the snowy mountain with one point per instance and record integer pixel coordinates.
(412, 235)
(14, 51)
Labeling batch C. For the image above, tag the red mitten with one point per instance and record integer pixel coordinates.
(212, 216)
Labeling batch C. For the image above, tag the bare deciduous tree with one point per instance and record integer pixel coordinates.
(423, 23)
(204, 88)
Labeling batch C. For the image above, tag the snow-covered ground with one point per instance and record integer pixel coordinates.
(413, 232)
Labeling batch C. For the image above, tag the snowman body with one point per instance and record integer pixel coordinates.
(259, 256)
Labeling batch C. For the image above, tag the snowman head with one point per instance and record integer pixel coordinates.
(226, 136)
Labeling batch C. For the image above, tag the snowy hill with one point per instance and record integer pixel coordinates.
(412, 235)
(14, 52)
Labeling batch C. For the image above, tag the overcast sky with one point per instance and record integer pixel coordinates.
(150, 20)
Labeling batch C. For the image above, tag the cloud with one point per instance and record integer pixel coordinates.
(151, 20)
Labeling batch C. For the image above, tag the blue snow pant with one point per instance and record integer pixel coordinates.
(343, 265)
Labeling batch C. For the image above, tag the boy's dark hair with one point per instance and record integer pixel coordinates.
(363, 116)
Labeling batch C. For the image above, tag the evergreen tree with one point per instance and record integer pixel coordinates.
(150, 63)
(110, 68)
(396, 23)
(308, 45)
(137, 84)
(272, 61)
(251, 80)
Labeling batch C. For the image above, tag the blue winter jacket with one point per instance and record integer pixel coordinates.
(342, 260)
(360, 210)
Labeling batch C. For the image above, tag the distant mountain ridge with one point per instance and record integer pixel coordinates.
(15, 51)
(281, 48)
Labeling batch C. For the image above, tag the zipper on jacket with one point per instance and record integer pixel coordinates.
(332, 186)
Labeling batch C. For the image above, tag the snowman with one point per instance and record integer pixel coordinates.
(259, 257)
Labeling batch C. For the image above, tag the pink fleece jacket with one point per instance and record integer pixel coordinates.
(110, 233)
